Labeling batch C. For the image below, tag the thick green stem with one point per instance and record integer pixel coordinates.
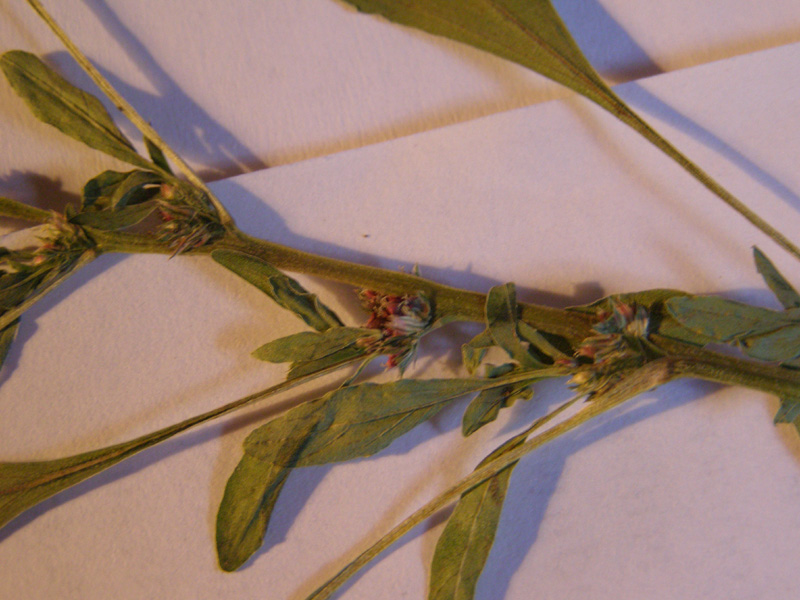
(466, 305)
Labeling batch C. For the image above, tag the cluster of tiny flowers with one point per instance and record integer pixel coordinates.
(60, 242)
(617, 345)
(400, 319)
(186, 225)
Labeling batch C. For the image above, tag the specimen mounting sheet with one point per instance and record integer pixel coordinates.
(686, 492)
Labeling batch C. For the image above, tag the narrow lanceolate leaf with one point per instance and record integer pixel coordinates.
(284, 290)
(18, 210)
(359, 420)
(25, 484)
(115, 220)
(530, 33)
(157, 156)
(485, 407)
(501, 319)
(543, 345)
(782, 289)
(789, 412)
(464, 545)
(473, 352)
(311, 351)
(761, 333)
(59, 103)
(250, 495)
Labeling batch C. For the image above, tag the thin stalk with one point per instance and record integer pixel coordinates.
(127, 109)
(630, 118)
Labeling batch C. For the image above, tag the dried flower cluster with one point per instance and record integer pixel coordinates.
(401, 320)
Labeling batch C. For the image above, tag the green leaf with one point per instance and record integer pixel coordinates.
(246, 508)
(530, 33)
(309, 345)
(250, 495)
(59, 103)
(25, 484)
(280, 287)
(782, 289)
(157, 156)
(464, 545)
(311, 351)
(18, 210)
(473, 352)
(98, 191)
(109, 220)
(501, 319)
(485, 407)
(359, 420)
(137, 187)
(543, 344)
(761, 333)
(112, 190)
(789, 412)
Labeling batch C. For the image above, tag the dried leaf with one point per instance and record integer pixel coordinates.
(464, 545)
(250, 495)
(25, 484)
(59, 103)
(18, 210)
(157, 156)
(311, 351)
(359, 420)
(280, 287)
(309, 345)
(485, 407)
(530, 33)
(761, 333)
(473, 352)
(98, 191)
(115, 220)
(501, 319)
(782, 289)
(543, 344)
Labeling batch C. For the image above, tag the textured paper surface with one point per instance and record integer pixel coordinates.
(242, 84)
(688, 492)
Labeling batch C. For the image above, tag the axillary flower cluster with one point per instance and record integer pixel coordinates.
(59, 244)
(189, 219)
(620, 343)
(401, 321)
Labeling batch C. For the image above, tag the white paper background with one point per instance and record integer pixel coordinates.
(688, 492)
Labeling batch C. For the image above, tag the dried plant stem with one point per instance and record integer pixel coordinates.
(125, 107)
(631, 119)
